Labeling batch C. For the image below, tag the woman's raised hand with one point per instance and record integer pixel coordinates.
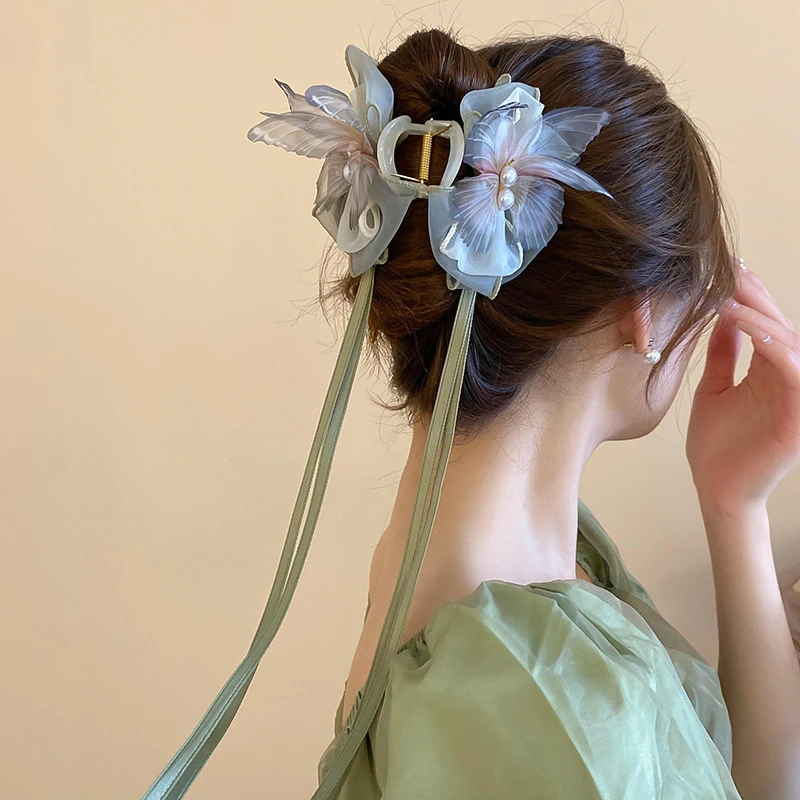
(742, 439)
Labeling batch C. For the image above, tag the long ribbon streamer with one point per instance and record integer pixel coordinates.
(438, 445)
(183, 768)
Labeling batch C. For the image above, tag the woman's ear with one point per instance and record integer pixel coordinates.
(637, 325)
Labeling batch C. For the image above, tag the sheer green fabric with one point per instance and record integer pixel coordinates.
(563, 689)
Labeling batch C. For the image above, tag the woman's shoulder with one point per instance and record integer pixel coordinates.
(547, 670)
(588, 621)
(562, 686)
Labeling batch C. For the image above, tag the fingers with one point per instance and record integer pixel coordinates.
(785, 358)
(766, 324)
(721, 357)
(763, 315)
(752, 292)
(760, 318)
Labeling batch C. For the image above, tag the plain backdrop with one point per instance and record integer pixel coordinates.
(164, 363)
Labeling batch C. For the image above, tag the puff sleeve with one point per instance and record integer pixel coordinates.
(556, 691)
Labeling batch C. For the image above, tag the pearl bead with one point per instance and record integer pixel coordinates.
(505, 199)
(508, 175)
(652, 356)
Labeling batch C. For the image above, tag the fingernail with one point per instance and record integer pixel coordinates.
(753, 332)
(733, 304)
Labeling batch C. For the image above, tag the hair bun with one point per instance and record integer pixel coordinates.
(430, 72)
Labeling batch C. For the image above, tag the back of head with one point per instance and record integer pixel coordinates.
(667, 235)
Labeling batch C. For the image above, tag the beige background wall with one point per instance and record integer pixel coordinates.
(163, 366)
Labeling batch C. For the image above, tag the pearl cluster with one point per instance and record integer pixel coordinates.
(505, 197)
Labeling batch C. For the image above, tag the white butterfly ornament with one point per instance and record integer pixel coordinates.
(343, 130)
(491, 225)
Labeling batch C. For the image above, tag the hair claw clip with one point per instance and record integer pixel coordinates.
(401, 127)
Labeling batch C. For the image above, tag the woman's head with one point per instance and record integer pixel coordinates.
(659, 255)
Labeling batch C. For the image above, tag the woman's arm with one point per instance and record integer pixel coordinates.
(743, 438)
(758, 668)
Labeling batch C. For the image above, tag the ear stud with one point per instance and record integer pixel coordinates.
(651, 355)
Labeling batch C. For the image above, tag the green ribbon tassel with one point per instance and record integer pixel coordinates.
(434, 463)
(185, 765)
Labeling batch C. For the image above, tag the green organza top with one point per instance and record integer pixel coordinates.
(553, 690)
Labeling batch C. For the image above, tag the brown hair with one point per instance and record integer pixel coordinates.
(666, 233)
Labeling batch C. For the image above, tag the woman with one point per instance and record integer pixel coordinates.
(506, 650)
(557, 679)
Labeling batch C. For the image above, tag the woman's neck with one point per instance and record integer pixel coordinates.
(509, 502)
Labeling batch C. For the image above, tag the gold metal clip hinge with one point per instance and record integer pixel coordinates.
(425, 154)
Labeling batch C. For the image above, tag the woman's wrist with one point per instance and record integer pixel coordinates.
(734, 528)
(727, 511)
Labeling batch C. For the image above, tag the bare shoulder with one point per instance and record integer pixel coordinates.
(440, 580)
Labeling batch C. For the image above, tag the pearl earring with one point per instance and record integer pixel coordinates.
(651, 355)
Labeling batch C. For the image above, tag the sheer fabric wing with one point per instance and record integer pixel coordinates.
(567, 131)
(334, 103)
(476, 210)
(306, 129)
(310, 135)
(548, 167)
(537, 213)
(331, 183)
(486, 146)
(297, 102)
